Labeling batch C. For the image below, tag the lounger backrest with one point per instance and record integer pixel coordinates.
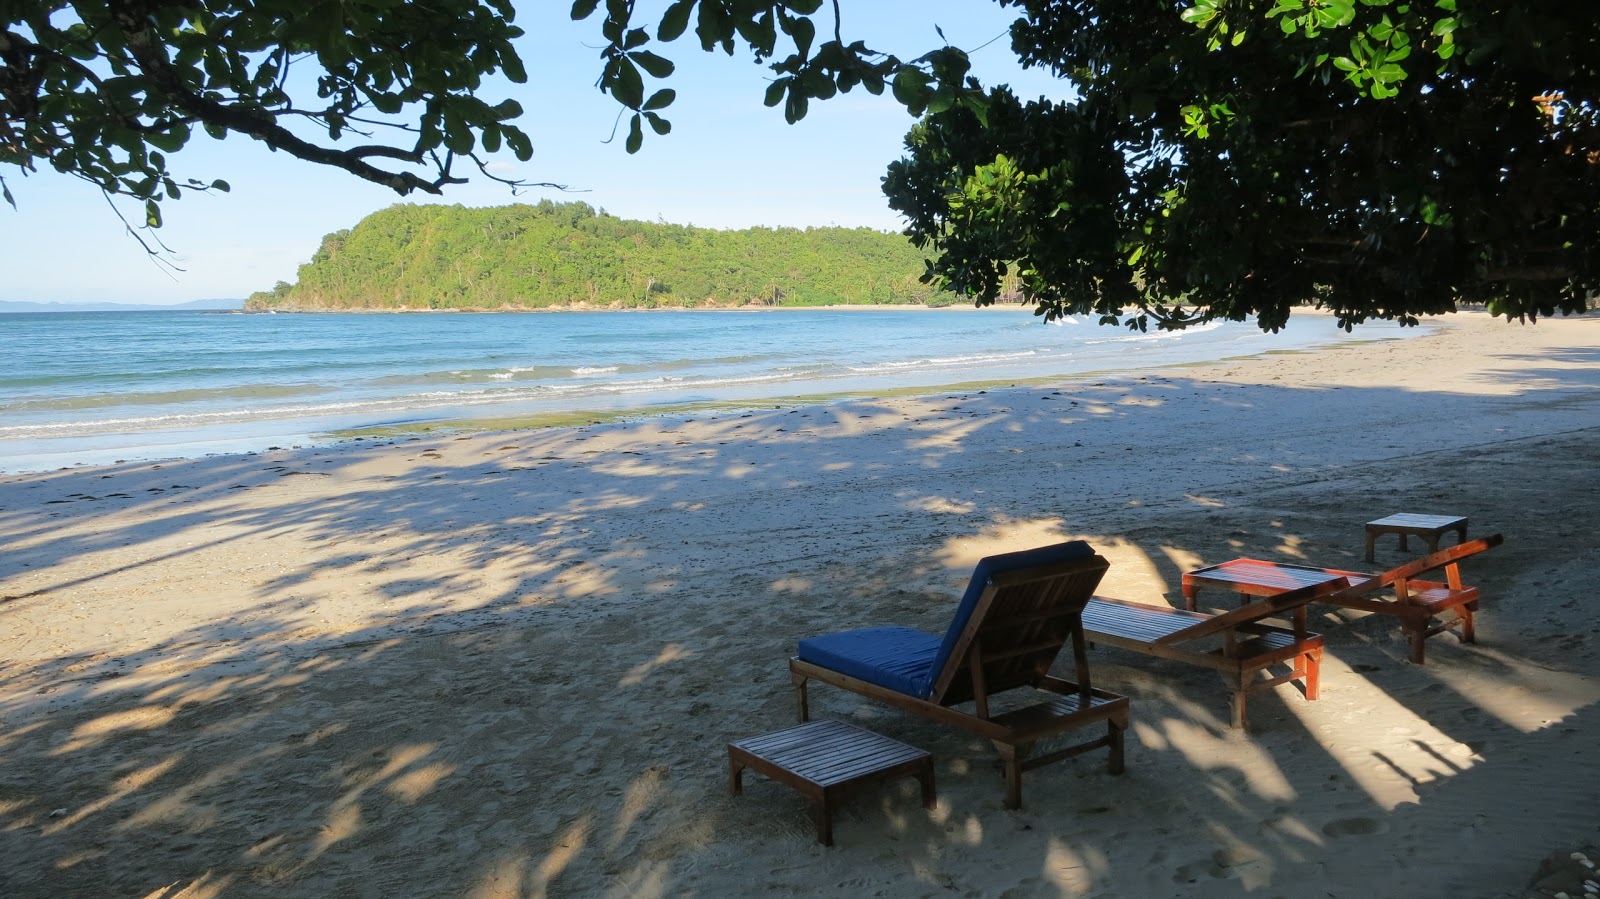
(1447, 556)
(1265, 607)
(1020, 608)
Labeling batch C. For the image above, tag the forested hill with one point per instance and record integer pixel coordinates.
(569, 255)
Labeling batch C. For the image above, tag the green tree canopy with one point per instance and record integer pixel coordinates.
(1229, 158)
(379, 88)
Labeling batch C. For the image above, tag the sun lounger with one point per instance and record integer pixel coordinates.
(1019, 610)
(1398, 592)
(1239, 645)
(1420, 604)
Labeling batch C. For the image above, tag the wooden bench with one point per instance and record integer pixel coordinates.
(825, 760)
(1239, 645)
(1419, 604)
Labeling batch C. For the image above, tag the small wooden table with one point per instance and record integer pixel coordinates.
(1429, 527)
(1254, 577)
(826, 759)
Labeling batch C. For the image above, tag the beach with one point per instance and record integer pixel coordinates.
(508, 664)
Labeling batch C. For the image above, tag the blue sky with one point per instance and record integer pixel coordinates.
(729, 162)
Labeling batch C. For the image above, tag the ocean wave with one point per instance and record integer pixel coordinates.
(942, 361)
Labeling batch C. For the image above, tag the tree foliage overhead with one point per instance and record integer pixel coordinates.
(569, 255)
(381, 89)
(1228, 158)
(1222, 158)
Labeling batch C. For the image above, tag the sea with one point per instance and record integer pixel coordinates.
(92, 388)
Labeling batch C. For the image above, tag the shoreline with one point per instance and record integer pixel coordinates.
(457, 402)
(508, 663)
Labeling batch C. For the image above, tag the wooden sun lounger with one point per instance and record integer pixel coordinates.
(1239, 645)
(1018, 613)
(1419, 604)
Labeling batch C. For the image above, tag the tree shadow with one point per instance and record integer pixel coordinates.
(557, 632)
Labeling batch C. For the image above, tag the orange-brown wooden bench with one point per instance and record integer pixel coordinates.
(1239, 645)
(1424, 607)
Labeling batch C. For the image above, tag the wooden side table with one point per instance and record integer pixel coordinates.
(825, 760)
(1429, 527)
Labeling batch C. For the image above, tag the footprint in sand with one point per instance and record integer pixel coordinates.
(1354, 827)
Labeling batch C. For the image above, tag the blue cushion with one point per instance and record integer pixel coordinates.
(896, 658)
(992, 565)
(907, 661)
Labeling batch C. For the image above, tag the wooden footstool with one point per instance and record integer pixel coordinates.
(825, 760)
(1429, 527)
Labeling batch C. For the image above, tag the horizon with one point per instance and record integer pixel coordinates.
(730, 162)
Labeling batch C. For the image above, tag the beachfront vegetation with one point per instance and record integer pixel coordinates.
(568, 254)
(1222, 158)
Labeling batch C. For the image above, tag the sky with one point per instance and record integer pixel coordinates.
(730, 162)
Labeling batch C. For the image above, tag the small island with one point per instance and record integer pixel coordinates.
(572, 256)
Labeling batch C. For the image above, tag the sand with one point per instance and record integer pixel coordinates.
(507, 665)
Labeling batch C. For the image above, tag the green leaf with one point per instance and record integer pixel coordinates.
(911, 89)
(658, 124)
(660, 99)
(152, 214)
(675, 20)
(518, 142)
(657, 66)
(628, 87)
(775, 92)
(803, 32)
(635, 135)
(583, 9)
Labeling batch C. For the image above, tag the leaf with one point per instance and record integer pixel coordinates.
(660, 99)
(658, 124)
(911, 88)
(518, 142)
(628, 86)
(635, 135)
(775, 92)
(152, 214)
(675, 20)
(583, 9)
(804, 32)
(657, 66)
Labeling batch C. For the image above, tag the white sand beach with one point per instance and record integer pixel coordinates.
(508, 665)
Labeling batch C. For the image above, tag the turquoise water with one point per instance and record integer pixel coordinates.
(95, 387)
